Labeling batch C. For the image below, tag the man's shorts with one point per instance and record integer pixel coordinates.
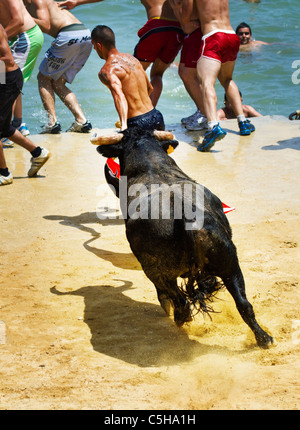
(8, 94)
(221, 45)
(68, 53)
(152, 120)
(159, 38)
(25, 48)
(191, 49)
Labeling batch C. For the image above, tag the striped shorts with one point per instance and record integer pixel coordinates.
(25, 48)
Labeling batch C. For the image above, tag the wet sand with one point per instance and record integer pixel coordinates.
(84, 329)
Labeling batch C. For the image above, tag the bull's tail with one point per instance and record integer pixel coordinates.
(199, 287)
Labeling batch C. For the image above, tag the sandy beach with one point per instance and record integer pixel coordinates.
(81, 327)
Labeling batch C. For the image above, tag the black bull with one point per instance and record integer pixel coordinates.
(199, 250)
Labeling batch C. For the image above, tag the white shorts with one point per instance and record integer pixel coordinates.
(68, 53)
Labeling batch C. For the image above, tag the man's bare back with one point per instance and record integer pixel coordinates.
(213, 15)
(59, 18)
(158, 8)
(126, 71)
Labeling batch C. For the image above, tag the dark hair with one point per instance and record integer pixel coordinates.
(243, 25)
(225, 97)
(104, 35)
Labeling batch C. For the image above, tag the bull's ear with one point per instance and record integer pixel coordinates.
(169, 145)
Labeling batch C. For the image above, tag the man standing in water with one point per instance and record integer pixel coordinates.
(160, 41)
(244, 32)
(217, 60)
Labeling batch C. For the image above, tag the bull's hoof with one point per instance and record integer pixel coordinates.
(264, 340)
(167, 305)
(182, 315)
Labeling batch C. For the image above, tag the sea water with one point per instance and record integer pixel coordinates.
(268, 77)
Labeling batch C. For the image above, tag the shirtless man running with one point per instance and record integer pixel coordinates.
(130, 87)
(127, 81)
(219, 52)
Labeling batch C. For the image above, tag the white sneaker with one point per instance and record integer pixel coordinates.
(80, 128)
(6, 143)
(38, 162)
(5, 180)
(23, 129)
(51, 129)
(199, 124)
(190, 118)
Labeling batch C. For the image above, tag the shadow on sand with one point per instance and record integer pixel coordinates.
(136, 332)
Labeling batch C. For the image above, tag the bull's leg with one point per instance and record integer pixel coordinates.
(170, 297)
(236, 286)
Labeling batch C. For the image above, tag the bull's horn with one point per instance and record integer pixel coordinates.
(108, 139)
(163, 135)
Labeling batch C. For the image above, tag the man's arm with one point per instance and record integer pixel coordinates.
(109, 78)
(184, 9)
(70, 4)
(221, 115)
(17, 19)
(250, 111)
(5, 53)
(39, 11)
(184, 15)
(149, 85)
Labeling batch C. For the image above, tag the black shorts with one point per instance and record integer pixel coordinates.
(8, 94)
(152, 120)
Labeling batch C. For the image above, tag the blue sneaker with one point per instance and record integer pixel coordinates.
(210, 137)
(246, 127)
(7, 143)
(24, 129)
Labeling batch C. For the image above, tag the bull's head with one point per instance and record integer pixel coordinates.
(112, 145)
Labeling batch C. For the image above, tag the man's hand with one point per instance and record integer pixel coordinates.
(70, 4)
(67, 4)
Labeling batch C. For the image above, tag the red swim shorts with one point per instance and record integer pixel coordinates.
(159, 38)
(191, 49)
(221, 45)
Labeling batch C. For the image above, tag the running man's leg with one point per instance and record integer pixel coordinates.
(207, 72)
(157, 70)
(233, 96)
(231, 89)
(69, 99)
(48, 97)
